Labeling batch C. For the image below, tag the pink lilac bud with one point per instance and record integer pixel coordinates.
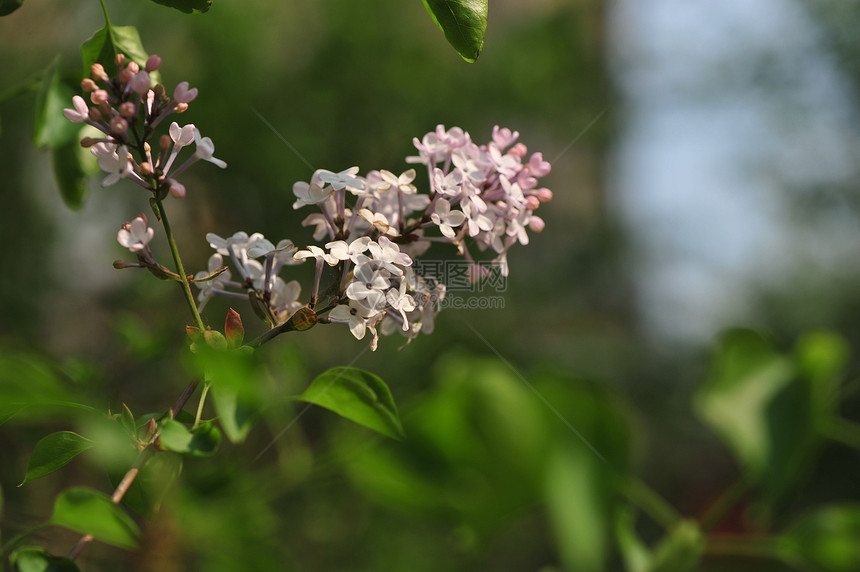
(153, 63)
(88, 85)
(177, 189)
(544, 195)
(133, 67)
(536, 224)
(99, 96)
(118, 124)
(140, 83)
(504, 137)
(532, 202)
(127, 109)
(125, 75)
(97, 72)
(538, 166)
(165, 142)
(119, 59)
(519, 150)
(183, 94)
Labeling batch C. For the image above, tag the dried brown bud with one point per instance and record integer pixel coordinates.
(87, 142)
(95, 114)
(146, 169)
(88, 85)
(120, 264)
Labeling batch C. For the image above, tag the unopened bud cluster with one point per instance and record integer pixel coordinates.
(127, 108)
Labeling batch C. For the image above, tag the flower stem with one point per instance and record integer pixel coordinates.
(649, 501)
(186, 286)
(200, 405)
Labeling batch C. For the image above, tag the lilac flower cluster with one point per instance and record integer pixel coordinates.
(375, 225)
(127, 109)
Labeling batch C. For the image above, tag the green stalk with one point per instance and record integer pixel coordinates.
(845, 431)
(186, 286)
(724, 503)
(200, 405)
(650, 502)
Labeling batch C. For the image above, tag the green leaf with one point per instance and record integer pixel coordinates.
(72, 164)
(464, 23)
(827, 540)
(235, 377)
(746, 376)
(52, 130)
(127, 420)
(55, 452)
(35, 559)
(187, 6)
(579, 504)
(111, 40)
(680, 550)
(152, 485)
(822, 357)
(9, 6)
(200, 442)
(358, 395)
(88, 511)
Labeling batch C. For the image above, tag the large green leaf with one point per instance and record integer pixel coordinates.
(88, 511)
(35, 559)
(464, 23)
(52, 129)
(55, 452)
(359, 396)
(9, 6)
(746, 376)
(235, 377)
(111, 40)
(200, 442)
(187, 6)
(72, 164)
(827, 540)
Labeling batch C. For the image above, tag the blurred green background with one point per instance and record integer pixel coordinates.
(608, 313)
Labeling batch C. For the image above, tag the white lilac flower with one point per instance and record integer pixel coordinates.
(399, 300)
(508, 165)
(447, 184)
(112, 160)
(354, 314)
(283, 252)
(310, 194)
(402, 183)
(184, 95)
(320, 224)
(344, 179)
(205, 148)
(368, 285)
(478, 222)
(210, 287)
(503, 137)
(80, 113)
(181, 137)
(379, 221)
(135, 235)
(387, 254)
(446, 218)
(316, 252)
(342, 250)
(285, 298)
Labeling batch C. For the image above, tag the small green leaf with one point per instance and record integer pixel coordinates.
(111, 40)
(187, 6)
(9, 6)
(35, 559)
(72, 164)
(55, 452)
(127, 420)
(359, 396)
(88, 511)
(200, 442)
(52, 130)
(680, 550)
(464, 23)
(827, 540)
